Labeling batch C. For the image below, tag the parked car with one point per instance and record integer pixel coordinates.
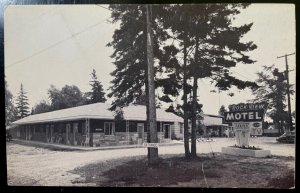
(287, 137)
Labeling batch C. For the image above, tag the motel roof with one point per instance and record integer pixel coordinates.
(97, 111)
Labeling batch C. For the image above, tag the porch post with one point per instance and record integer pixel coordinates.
(127, 131)
(161, 131)
(29, 137)
(26, 132)
(51, 132)
(87, 130)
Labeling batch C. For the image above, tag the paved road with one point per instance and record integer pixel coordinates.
(37, 166)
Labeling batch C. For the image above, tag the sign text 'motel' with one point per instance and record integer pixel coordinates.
(244, 116)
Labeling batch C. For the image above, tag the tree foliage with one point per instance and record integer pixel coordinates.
(130, 53)
(273, 90)
(217, 45)
(22, 104)
(97, 94)
(67, 97)
(10, 109)
(207, 29)
(42, 107)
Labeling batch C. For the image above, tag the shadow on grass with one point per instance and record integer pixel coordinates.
(222, 171)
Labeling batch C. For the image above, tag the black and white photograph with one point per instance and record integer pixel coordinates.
(198, 95)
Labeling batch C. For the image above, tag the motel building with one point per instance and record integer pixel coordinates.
(213, 126)
(94, 125)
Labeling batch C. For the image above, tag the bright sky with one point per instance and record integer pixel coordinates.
(40, 49)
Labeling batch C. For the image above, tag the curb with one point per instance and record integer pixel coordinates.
(74, 148)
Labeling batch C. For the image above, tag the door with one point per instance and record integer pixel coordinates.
(167, 132)
(29, 133)
(51, 133)
(47, 133)
(140, 130)
(26, 134)
(68, 129)
(75, 131)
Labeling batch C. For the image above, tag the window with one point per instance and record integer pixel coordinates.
(109, 128)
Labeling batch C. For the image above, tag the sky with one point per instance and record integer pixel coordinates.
(62, 44)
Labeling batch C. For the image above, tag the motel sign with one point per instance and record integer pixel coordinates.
(242, 116)
(249, 112)
(246, 120)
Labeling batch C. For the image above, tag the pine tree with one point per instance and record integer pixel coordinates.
(130, 54)
(22, 104)
(97, 94)
(207, 29)
(130, 84)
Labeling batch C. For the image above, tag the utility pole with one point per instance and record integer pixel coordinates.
(290, 122)
(152, 152)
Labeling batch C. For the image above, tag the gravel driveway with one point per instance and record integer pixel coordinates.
(37, 166)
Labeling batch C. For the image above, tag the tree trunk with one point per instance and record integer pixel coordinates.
(194, 112)
(186, 126)
(147, 110)
(194, 104)
(153, 152)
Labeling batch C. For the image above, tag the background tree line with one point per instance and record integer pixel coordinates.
(66, 97)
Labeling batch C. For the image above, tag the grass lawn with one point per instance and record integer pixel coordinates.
(220, 171)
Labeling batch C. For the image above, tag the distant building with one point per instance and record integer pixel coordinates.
(212, 126)
(95, 125)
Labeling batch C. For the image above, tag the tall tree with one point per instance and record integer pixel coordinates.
(97, 94)
(10, 110)
(177, 74)
(22, 104)
(130, 53)
(151, 115)
(130, 84)
(272, 90)
(218, 46)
